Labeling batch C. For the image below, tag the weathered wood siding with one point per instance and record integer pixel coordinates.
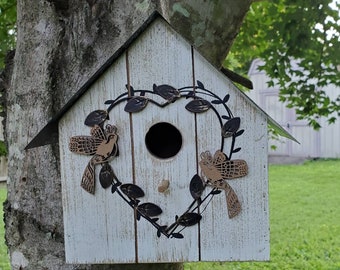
(101, 228)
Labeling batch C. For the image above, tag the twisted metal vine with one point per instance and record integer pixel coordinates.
(216, 169)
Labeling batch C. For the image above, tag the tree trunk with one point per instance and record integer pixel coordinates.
(60, 44)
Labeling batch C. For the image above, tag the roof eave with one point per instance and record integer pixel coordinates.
(49, 133)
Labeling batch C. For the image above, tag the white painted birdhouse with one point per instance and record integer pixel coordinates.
(163, 159)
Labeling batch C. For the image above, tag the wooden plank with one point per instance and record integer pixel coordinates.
(246, 236)
(160, 56)
(97, 228)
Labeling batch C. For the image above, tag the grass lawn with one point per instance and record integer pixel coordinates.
(4, 261)
(304, 220)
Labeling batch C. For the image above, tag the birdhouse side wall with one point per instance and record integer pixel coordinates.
(245, 237)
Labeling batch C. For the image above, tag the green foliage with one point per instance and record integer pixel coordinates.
(304, 219)
(7, 28)
(308, 32)
(3, 150)
(7, 40)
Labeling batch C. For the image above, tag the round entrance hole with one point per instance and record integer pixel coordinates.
(163, 140)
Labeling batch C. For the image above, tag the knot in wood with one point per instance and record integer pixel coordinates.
(163, 186)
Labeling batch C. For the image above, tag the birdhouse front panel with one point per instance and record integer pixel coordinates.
(164, 160)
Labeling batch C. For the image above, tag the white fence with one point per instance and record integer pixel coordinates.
(324, 143)
(3, 169)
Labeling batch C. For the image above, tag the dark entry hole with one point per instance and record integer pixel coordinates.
(163, 140)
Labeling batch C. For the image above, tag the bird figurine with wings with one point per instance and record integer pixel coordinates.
(217, 169)
(102, 145)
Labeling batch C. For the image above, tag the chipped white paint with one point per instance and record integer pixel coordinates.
(18, 260)
(101, 228)
(95, 226)
(245, 237)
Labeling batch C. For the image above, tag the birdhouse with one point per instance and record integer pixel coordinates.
(163, 159)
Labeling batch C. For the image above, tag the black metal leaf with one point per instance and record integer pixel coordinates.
(196, 187)
(160, 230)
(136, 201)
(200, 84)
(198, 105)
(236, 150)
(230, 127)
(136, 104)
(177, 235)
(226, 98)
(149, 209)
(216, 101)
(115, 185)
(132, 191)
(106, 175)
(110, 101)
(131, 90)
(191, 94)
(215, 192)
(96, 118)
(225, 117)
(167, 92)
(113, 189)
(189, 219)
(239, 133)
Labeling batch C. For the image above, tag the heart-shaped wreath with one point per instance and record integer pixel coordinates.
(102, 145)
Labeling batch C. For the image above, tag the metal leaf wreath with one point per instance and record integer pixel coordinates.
(102, 145)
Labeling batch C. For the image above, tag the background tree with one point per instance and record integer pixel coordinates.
(309, 32)
(7, 42)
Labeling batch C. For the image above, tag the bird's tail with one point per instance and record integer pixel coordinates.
(233, 204)
(88, 179)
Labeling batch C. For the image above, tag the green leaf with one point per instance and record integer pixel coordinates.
(278, 32)
(3, 150)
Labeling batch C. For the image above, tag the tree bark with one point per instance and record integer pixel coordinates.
(60, 44)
